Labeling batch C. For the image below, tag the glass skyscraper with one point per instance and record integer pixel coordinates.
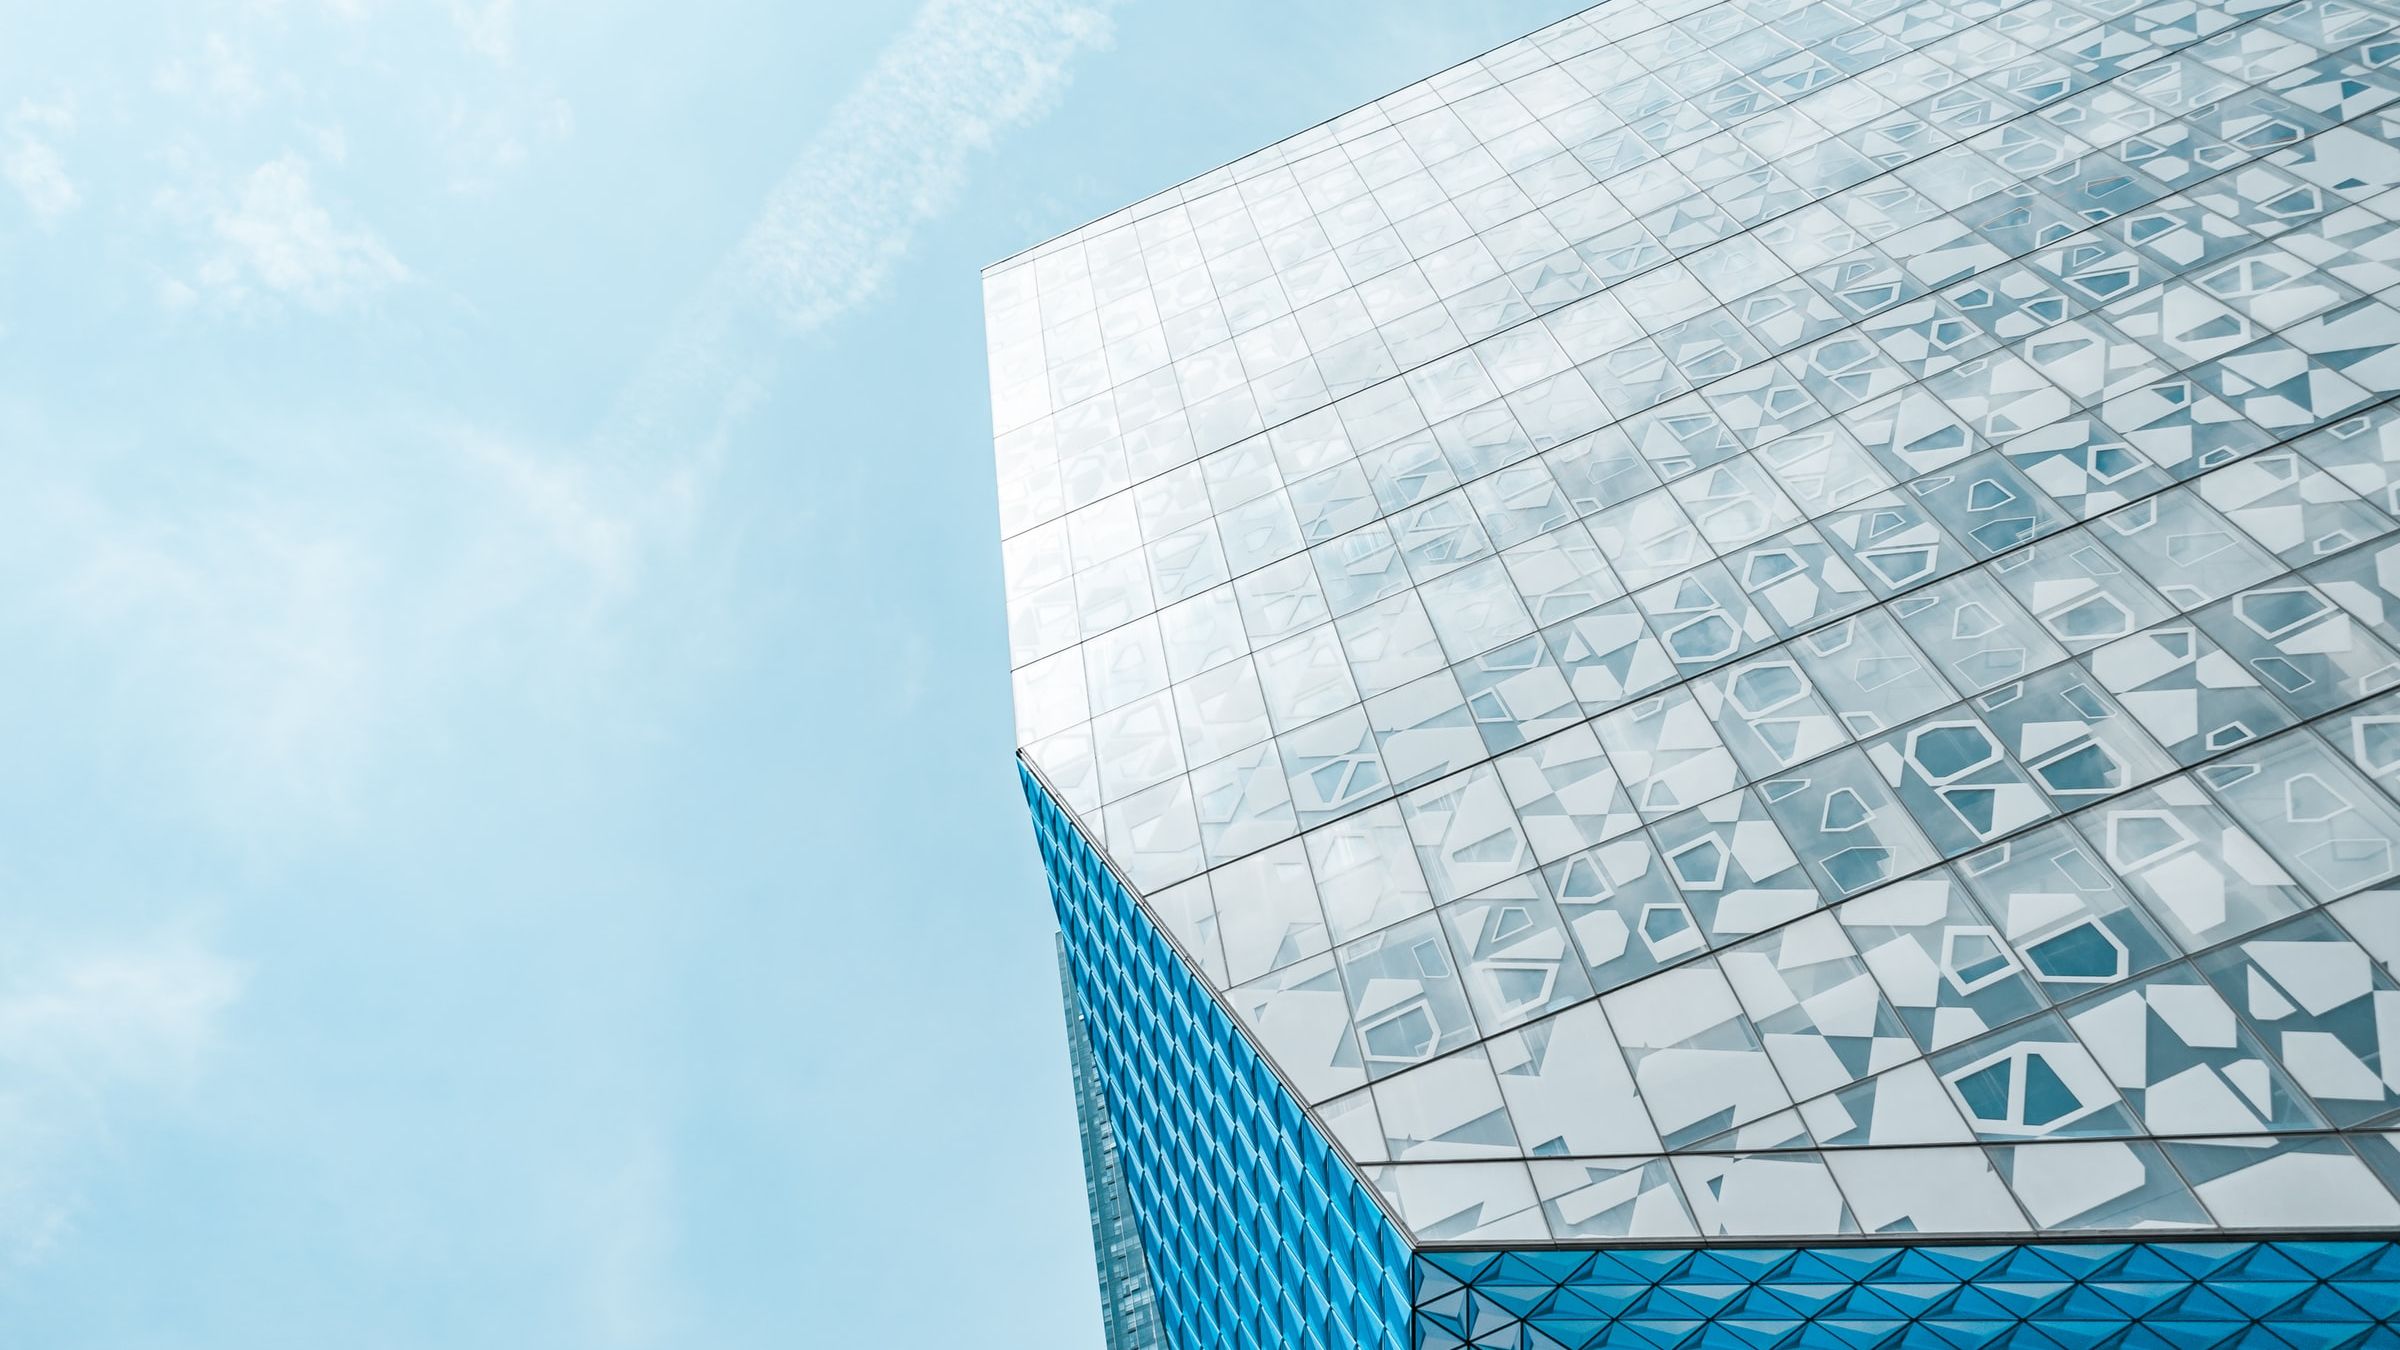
(1731, 676)
(1128, 1307)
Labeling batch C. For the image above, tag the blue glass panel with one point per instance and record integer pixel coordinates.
(2117, 1294)
(1255, 1233)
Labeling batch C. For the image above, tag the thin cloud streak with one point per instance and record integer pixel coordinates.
(893, 156)
(266, 640)
(276, 629)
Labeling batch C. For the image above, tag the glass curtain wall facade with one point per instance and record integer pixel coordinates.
(1128, 1309)
(1737, 672)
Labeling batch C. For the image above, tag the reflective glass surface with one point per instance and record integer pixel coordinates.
(1936, 1296)
(1250, 1250)
(1253, 1232)
(1762, 620)
(1128, 1307)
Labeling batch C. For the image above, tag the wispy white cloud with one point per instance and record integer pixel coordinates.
(220, 73)
(234, 626)
(272, 237)
(340, 9)
(273, 632)
(485, 137)
(623, 1207)
(85, 1032)
(893, 155)
(287, 630)
(897, 149)
(271, 640)
(31, 163)
(489, 28)
(146, 1013)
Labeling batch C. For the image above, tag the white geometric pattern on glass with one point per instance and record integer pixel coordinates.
(1763, 618)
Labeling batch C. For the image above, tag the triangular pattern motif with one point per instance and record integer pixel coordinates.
(1739, 604)
(1320, 1267)
(1256, 1234)
(1742, 622)
(2285, 1294)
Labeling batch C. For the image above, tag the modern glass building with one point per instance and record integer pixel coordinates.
(1731, 676)
(1128, 1306)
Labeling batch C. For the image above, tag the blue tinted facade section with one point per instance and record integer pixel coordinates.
(1256, 1234)
(1128, 1308)
(2115, 1294)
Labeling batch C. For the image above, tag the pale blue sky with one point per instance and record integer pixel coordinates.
(507, 835)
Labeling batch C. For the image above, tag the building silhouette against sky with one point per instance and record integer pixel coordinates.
(1721, 678)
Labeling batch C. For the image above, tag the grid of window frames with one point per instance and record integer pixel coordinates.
(1763, 618)
(1296, 1242)
(2323, 1293)
(1128, 1305)
(1254, 1233)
